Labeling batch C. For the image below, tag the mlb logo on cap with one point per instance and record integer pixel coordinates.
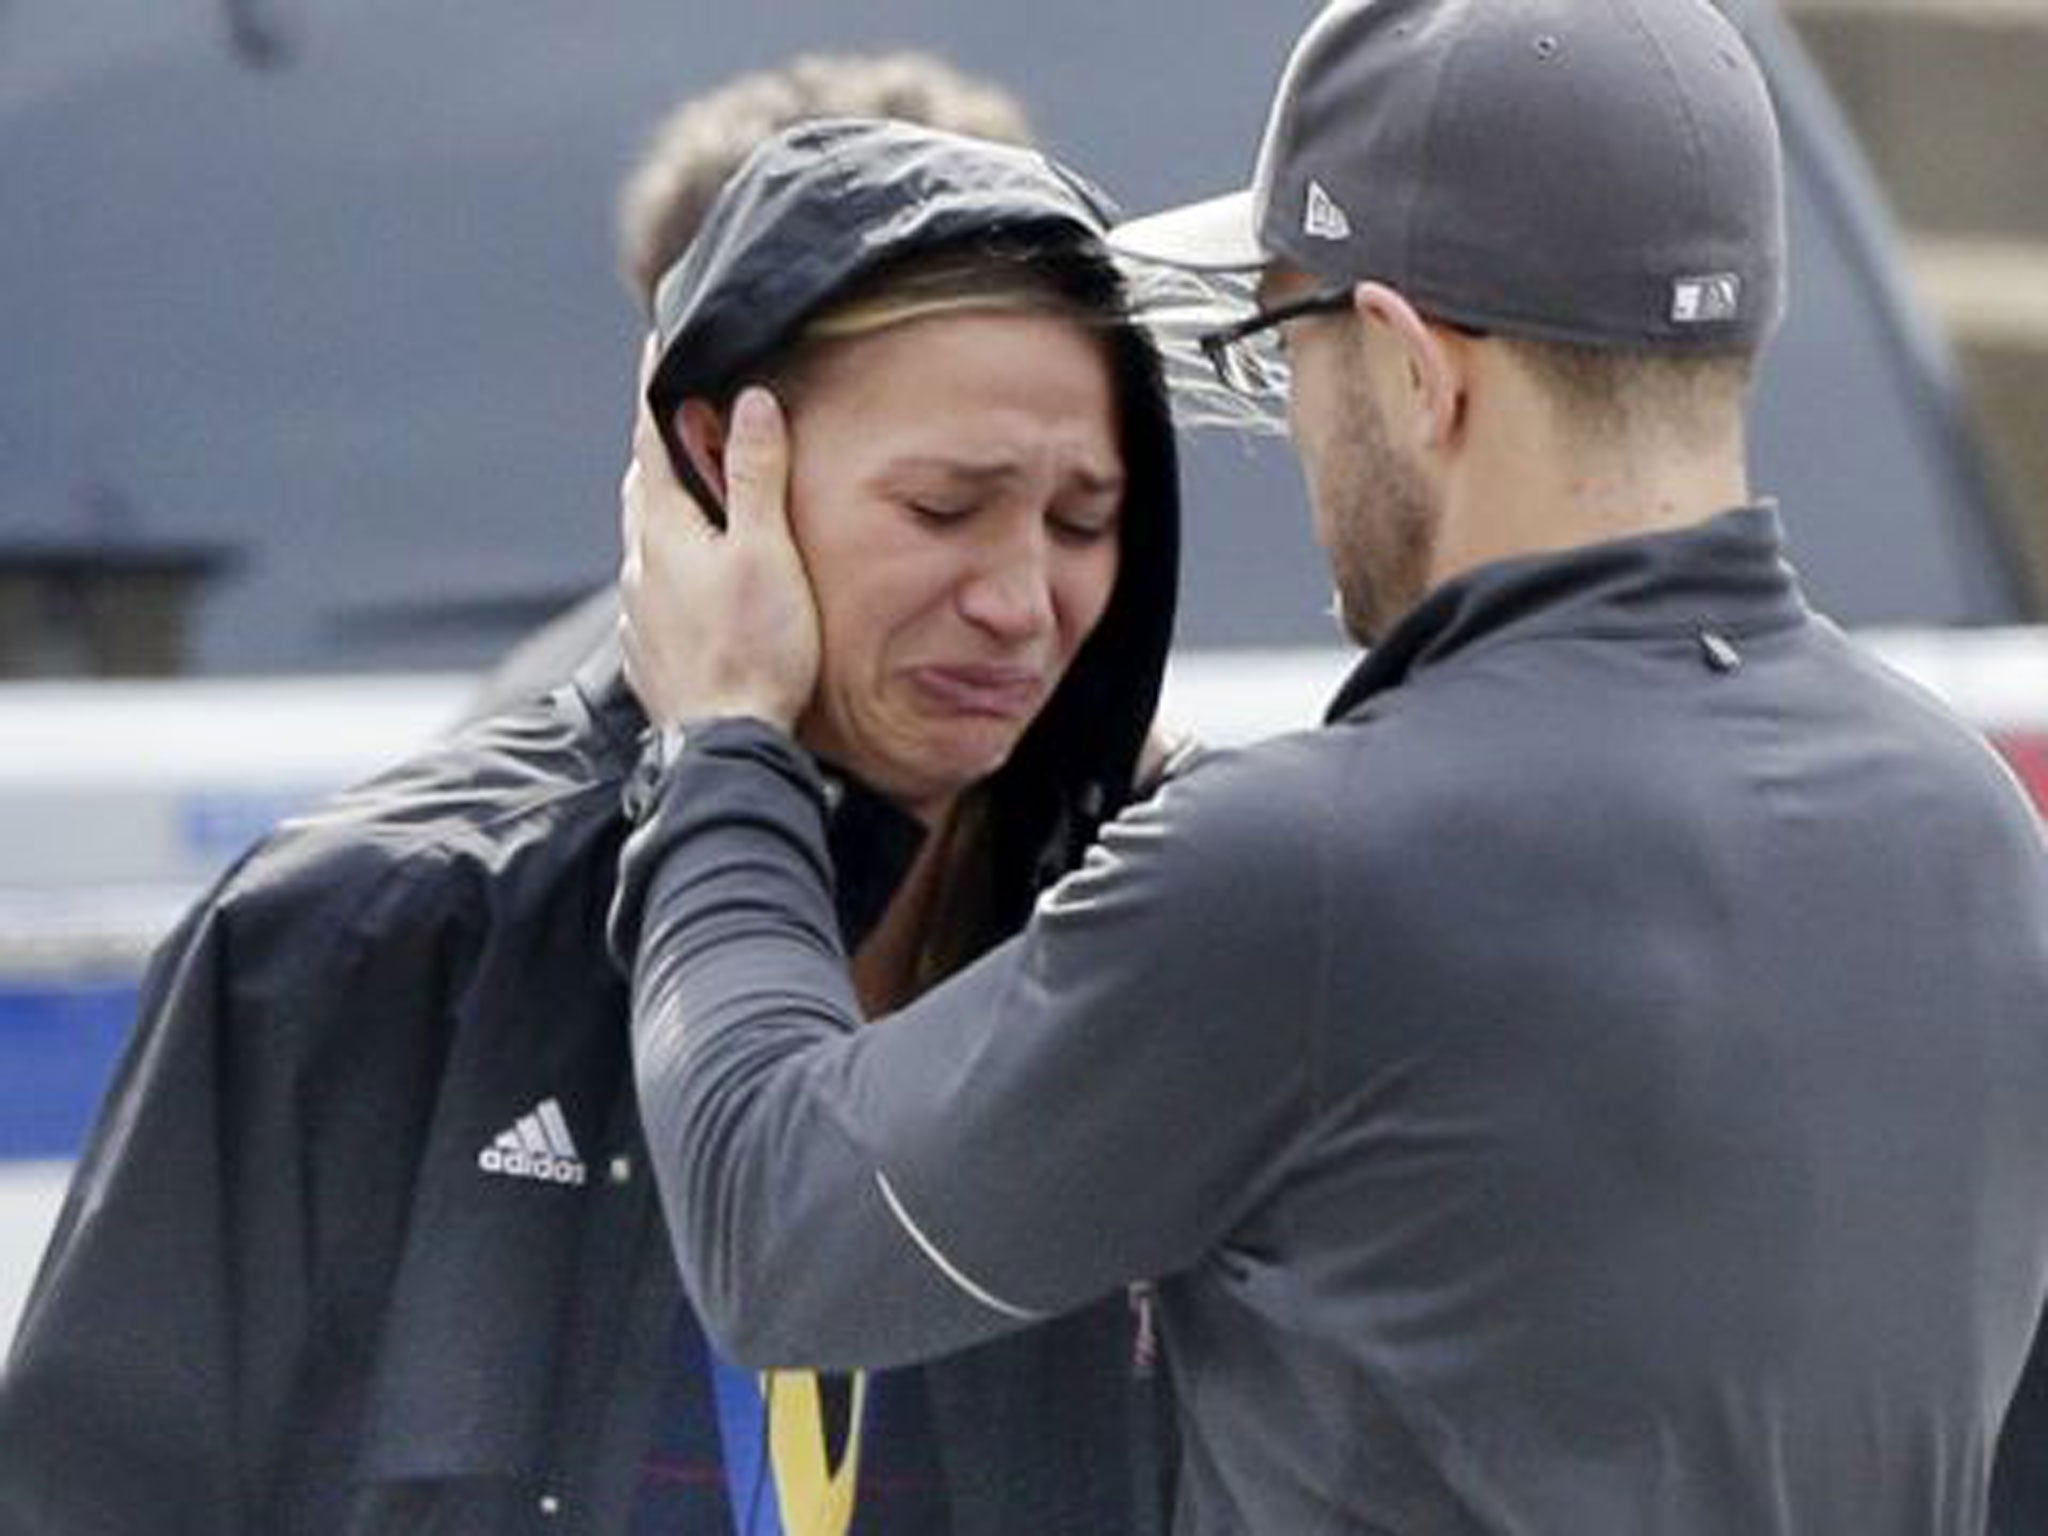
(1706, 300)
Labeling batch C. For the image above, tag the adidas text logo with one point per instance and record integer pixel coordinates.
(539, 1147)
(1325, 220)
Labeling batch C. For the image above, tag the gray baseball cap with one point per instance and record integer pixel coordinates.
(1598, 171)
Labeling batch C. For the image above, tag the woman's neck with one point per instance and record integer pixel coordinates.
(885, 965)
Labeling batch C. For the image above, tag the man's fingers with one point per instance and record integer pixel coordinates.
(757, 465)
(716, 624)
(648, 448)
(650, 485)
(629, 508)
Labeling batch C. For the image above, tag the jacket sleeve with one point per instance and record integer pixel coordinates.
(1100, 1100)
(173, 1335)
(2019, 1488)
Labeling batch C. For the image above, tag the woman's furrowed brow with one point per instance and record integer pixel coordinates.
(958, 468)
(999, 471)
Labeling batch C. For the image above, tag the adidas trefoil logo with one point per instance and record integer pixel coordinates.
(1325, 220)
(539, 1147)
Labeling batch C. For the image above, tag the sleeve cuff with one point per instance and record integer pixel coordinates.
(658, 795)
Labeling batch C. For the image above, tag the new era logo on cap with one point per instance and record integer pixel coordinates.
(1324, 219)
(1704, 300)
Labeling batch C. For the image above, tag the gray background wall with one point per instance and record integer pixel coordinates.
(354, 318)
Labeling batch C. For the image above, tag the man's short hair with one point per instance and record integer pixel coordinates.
(703, 141)
(1606, 393)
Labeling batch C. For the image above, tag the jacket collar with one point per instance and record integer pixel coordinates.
(1728, 575)
(872, 840)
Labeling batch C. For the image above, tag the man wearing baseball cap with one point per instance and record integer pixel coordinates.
(1596, 1084)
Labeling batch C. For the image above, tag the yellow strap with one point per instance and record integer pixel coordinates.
(816, 1499)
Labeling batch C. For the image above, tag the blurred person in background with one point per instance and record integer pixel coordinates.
(364, 1239)
(663, 200)
(1599, 1083)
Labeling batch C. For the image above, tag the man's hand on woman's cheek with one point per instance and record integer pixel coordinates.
(715, 622)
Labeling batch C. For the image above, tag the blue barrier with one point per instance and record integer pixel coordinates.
(58, 1045)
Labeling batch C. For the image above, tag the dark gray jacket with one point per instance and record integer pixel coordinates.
(1597, 1084)
(290, 1293)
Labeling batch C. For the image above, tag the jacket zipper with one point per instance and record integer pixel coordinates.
(1144, 1332)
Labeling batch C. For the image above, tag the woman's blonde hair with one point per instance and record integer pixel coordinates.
(1018, 276)
(992, 275)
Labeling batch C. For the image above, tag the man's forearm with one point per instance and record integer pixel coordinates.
(744, 1024)
(1011, 1144)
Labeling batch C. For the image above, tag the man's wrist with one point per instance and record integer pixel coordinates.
(663, 746)
(665, 743)
(729, 756)
(746, 706)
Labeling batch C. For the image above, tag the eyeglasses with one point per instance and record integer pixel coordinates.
(1246, 354)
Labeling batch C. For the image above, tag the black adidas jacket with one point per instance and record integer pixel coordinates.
(286, 1297)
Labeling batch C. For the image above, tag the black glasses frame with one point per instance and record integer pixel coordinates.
(1242, 370)
(1237, 366)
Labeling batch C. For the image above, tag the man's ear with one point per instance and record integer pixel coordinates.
(1430, 378)
(700, 429)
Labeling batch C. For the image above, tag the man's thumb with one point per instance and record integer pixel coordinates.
(757, 465)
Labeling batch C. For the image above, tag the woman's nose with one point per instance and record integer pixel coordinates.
(1009, 593)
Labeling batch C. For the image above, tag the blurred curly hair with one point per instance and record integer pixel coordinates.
(702, 142)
